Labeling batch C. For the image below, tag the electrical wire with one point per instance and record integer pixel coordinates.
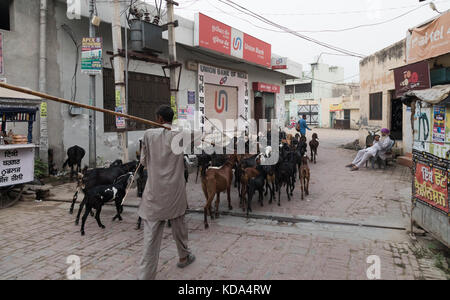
(267, 21)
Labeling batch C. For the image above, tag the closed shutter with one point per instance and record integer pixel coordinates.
(221, 103)
(145, 94)
(376, 106)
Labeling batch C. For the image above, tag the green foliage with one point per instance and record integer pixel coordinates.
(40, 169)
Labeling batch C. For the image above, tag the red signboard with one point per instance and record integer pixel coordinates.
(214, 35)
(412, 77)
(266, 87)
(431, 186)
(219, 37)
(257, 51)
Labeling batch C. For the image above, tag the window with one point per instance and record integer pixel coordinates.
(5, 18)
(289, 89)
(303, 88)
(376, 106)
(146, 93)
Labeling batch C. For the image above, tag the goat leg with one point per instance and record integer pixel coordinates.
(139, 223)
(206, 216)
(97, 217)
(83, 220)
(287, 190)
(80, 209)
(279, 194)
(74, 199)
(229, 198)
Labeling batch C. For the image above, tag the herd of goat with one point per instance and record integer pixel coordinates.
(251, 174)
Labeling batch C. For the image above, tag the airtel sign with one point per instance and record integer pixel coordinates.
(214, 35)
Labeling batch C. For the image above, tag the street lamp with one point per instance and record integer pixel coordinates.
(433, 7)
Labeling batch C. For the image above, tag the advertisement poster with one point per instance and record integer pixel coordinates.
(412, 77)
(120, 121)
(1, 55)
(431, 186)
(439, 125)
(429, 41)
(191, 98)
(91, 56)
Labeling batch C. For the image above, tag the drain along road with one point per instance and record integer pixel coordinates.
(348, 217)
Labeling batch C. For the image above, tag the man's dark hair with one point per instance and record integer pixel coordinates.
(304, 116)
(166, 112)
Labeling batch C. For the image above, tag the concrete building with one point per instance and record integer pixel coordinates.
(303, 96)
(379, 106)
(340, 112)
(148, 85)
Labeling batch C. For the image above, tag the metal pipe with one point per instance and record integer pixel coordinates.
(92, 99)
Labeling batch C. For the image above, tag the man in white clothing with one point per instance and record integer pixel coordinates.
(380, 146)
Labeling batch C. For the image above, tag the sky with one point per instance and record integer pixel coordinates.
(320, 15)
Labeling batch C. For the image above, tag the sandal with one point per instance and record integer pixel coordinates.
(190, 259)
(355, 169)
(350, 166)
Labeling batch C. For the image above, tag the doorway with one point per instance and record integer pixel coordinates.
(258, 110)
(396, 117)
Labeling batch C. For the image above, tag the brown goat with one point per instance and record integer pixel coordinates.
(214, 182)
(314, 145)
(304, 176)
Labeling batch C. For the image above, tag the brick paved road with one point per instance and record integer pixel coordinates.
(36, 238)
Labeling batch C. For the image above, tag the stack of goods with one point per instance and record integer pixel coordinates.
(19, 139)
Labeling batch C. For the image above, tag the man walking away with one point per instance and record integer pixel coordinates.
(303, 126)
(164, 196)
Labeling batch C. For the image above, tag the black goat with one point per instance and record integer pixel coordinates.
(285, 172)
(101, 176)
(100, 195)
(75, 155)
(256, 184)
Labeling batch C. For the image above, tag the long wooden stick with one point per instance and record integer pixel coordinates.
(68, 102)
(131, 183)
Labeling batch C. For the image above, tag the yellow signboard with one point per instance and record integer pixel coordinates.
(44, 109)
(336, 107)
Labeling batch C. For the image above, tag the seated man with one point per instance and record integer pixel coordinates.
(380, 146)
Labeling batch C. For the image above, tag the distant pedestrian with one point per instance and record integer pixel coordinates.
(302, 126)
(164, 197)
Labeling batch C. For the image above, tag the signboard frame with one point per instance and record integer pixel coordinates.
(218, 37)
(431, 181)
(415, 76)
(92, 56)
(16, 164)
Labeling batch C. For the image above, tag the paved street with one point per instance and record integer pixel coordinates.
(38, 237)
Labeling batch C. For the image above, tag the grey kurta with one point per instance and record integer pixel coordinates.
(164, 197)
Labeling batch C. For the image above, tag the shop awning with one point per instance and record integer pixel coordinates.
(435, 95)
(10, 94)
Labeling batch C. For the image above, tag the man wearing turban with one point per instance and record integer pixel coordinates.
(380, 146)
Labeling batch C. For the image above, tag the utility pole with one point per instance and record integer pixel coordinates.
(119, 69)
(172, 54)
(92, 99)
(43, 121)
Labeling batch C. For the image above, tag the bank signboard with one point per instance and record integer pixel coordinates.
(219, 37)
